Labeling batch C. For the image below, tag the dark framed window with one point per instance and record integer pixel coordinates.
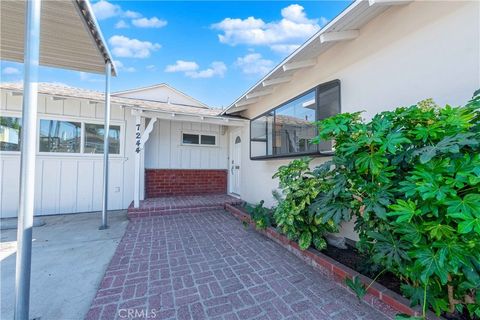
(94, 139)
(286, 130)
(199, 139)
(190, 138)
(60, 136)
(10, 133)
(208, 140)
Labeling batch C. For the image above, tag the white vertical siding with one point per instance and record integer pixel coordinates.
(164, 149)
(73, 182)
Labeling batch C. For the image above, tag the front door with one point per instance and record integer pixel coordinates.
(235, 161)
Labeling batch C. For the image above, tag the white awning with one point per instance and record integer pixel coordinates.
(70, 37)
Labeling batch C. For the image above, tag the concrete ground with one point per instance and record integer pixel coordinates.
(209, 266)
(70, 256)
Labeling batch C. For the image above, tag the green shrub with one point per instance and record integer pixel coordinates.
(411, 177)
(260, 215)
(299, 188)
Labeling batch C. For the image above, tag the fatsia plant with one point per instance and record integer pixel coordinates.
(411, 177)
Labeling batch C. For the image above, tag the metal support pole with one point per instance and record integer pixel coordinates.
(108, 69)
(27, 159)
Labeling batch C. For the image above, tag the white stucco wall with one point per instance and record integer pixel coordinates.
(407, 54)
(164, 148)
(67, 183)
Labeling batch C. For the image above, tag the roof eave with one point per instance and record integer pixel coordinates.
(347, 35)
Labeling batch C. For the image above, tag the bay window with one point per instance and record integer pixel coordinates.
(287, 130)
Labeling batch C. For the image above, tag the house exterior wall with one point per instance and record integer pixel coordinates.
(162, 94)
(164, 148)
(407, 54)
(180, 182)
(67, 183)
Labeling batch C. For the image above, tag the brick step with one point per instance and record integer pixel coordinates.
(181, 204)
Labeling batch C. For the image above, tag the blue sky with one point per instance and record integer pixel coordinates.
(213, 51)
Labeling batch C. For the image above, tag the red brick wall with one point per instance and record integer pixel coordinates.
(173, 182)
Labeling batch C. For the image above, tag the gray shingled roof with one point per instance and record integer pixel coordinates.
(59, 90)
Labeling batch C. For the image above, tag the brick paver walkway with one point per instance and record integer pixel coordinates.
(208, 266)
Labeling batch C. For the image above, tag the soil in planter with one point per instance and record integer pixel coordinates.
(359, 262)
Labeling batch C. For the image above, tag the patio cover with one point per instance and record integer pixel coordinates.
(69, 36)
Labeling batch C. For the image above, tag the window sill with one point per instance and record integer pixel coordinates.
(292, 156)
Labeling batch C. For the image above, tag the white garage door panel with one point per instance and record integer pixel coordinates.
(97, 185)
(9, 172)
(68, 186)
(85, 186)
(115, 185)
(50, 182)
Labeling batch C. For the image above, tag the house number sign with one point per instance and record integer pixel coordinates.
(137, 138)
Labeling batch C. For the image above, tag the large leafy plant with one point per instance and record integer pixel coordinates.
(411, 177)
(299, 188)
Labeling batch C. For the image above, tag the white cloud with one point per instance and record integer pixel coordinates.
(217, 68)
(182, 66)
(83, 76)
(295, 13)
(153, 22)
(294, 28)
(254, 63)
(10, 71)
(191, 69)
(284, 48)
(104, 10)
(90, 77)
(151, 67)
(121, 24)
(132, 14)
(131, 48)
(121, 67)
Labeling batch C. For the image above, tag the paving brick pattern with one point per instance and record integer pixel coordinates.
(209, 266)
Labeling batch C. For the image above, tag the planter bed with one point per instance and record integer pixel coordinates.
(353, 259)
(379, 297)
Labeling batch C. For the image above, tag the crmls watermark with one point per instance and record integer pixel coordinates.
(133, 313)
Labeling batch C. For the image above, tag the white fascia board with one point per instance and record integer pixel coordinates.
(339, 36)
(275, 81)
(388, 2)
(190, 118)
(261, 93)
(299, 64)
